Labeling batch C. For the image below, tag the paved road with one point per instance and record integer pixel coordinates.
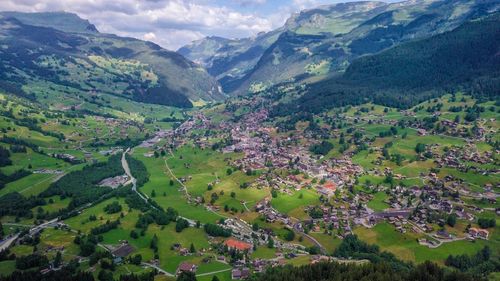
(7, 242)
(4, 244)
(43, 225)
(316, 242)
(132, 180)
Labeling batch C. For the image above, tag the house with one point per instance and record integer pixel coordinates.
(479, 233)
(186, 267)
(473, 231)
(443, 234)
(239, 274)
(329, 185)
(237, 244)
(483, 233)
(124, 250)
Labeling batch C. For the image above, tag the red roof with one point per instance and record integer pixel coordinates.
(239, 245)
(330, 185)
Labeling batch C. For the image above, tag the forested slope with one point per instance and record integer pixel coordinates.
(466, 59)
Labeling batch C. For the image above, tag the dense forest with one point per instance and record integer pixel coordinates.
(367, 272)
(82, 186)
(138, 170)
(464, 59)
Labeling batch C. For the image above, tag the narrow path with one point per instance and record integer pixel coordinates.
(184, 187)
(312, 239)
(245, 205)
(188, 196)
(213, 272)
(159, 269)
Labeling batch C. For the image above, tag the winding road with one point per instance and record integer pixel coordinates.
(132, 180)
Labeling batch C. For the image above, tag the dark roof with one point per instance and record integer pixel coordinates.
(123, 251)
(185, 266)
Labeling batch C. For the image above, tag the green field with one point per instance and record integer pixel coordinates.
(406, 247)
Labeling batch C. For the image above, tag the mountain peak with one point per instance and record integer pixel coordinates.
(63, 21)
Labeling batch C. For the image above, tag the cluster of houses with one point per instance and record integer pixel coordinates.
(67, 157)
(459, 157)
(262, 147)
(478, 233)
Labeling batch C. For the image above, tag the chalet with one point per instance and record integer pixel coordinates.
(239, 274)
(478, 233)
(123, 250)
(483, 233)
(186, 267)
(443, 234)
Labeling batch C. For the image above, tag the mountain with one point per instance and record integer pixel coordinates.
(229, 60)
(201, 51)
(323, 41)
(43, 56)
(466, 58)
(67, 22)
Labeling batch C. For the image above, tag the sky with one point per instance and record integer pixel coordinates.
(174, 23)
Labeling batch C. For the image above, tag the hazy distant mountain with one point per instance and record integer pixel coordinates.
(229, 59)
(322, 41)
(44, 52)
(63, 21)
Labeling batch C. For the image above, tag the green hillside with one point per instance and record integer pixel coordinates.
(38, 60)
(463, 59)
(343, 33)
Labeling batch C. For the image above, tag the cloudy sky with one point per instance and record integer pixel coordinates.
(173, 23)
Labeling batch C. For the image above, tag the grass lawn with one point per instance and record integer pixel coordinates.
(300, 260)
(167, 195)
(125, 269)
(329, 242)
(167, 236)
(223, 276)
(51, 237)
(7, 267)
(21, 250)
(377, 203)
(82, 222)
(264, 252)
(285, 203)
(211, 267)
(36, 160)
(35, 183)
(406, 247)
(57, 205)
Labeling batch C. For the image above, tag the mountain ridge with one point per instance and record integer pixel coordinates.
(464, 59)
(350, 29)
(145, 71)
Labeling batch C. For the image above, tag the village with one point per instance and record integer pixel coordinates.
(423, 210)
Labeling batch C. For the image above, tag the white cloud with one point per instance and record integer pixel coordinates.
(250, 2)
(170, 23)
(150, 36)
(173, 23)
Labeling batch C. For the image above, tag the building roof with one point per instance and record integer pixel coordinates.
(185, 266)
(123, 251)
(239, 245)
(330, 185)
